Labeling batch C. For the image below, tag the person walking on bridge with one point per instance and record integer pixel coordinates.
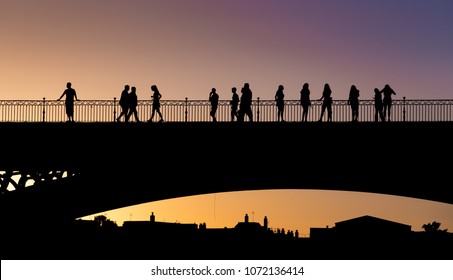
(132, 100)
(124, 104)
(156, 103)
(70, 94)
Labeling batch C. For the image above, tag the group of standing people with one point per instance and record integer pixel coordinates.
(305, 102)
(382, 105)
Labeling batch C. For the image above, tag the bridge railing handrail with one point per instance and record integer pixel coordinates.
(186, 110)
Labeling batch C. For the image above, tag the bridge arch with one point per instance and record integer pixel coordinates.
(180, 159)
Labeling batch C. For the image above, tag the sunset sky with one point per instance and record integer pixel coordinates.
(187, 47)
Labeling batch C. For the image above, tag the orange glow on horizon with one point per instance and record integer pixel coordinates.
(288, 209)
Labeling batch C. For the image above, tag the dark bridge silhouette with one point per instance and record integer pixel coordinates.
(121, 164)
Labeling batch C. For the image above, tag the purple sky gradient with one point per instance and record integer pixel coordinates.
(187, 47)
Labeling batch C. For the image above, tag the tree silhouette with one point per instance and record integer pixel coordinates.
(433, 227)
(103, 222)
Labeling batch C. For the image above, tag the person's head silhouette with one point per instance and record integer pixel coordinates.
(68, 84)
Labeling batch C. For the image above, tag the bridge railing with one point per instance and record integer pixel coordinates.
(198, 110)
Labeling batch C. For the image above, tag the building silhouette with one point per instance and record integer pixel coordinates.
(364, 237)
(364, 227)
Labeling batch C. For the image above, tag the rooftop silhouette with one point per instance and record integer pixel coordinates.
(363, 237)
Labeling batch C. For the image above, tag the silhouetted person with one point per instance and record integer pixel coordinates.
(133, 100)
(70, 94)
(246, 103)
(124, 104)
(280, 102)
(327, 103)
(214, 99)
(378, 106)
(388, 92)
(156, 103)
(234, 104)
(353, 101)
(305, 101)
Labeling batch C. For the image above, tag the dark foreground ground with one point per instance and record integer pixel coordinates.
(76, 241)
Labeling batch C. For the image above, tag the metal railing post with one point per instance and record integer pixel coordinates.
(258, 110)
(114, 109)
(404, 108)
(43, 109)
(185, 112)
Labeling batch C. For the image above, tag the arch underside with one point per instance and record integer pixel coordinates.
(83, 194)
(117, 165)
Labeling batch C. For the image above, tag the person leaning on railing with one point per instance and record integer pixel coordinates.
(70, 94)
